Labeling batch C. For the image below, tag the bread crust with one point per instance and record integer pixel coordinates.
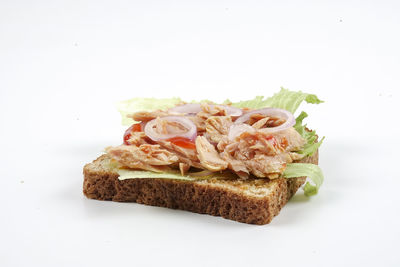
(227, 199)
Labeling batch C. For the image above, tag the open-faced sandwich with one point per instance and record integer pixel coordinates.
(242, 161)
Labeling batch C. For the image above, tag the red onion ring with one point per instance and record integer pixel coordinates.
(143, 124)
(185, 122)
(232, 111)
(192, 108)
(195, 108)
(237, 129)
(273, 112)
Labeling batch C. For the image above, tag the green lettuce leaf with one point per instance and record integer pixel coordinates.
(137, 174)
(284, 99)
(309, 170)
(144, 104)
(310, 136)
(132, 174)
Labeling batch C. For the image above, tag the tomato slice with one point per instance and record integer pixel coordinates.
(179, 141)
(128, 133)
(183, 142)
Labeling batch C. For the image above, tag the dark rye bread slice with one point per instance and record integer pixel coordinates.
(254, 201)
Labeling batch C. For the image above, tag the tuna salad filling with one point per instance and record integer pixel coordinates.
(206, 138)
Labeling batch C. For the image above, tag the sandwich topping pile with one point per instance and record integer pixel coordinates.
(255, 139)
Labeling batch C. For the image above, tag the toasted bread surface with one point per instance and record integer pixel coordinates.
(253, 201)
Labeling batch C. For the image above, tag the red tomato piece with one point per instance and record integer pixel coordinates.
(183, 142)
(128, 133)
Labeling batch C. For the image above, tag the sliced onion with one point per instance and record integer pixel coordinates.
(185, 122)
(270, 112)
(237, 129)
(231, 111)
(195, 108)
(142, 125)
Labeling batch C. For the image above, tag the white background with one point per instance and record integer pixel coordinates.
(64, 64)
